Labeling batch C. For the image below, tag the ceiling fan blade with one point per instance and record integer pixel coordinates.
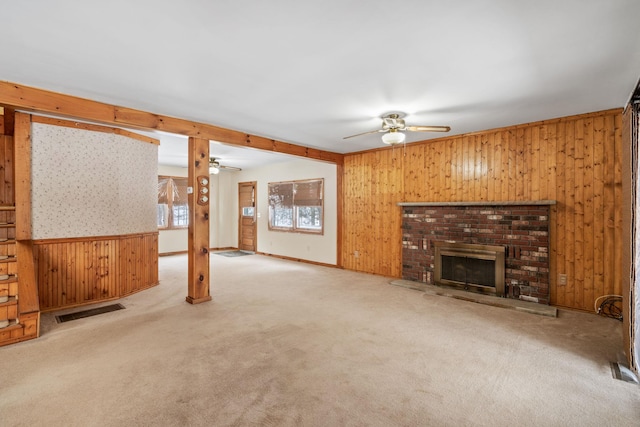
(428, 128)
(365, 133)
(231, 168)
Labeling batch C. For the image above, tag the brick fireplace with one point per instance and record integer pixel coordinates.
(521, 228)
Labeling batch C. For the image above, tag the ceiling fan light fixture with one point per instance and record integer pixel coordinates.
(214, 167)
(393, 137)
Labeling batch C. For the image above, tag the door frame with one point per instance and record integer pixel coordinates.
(254, 184)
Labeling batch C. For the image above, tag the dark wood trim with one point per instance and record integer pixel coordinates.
(91, 238)
(339, 212)
(629, 246)
(8, 120)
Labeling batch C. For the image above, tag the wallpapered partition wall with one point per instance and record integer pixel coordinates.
(88, 183)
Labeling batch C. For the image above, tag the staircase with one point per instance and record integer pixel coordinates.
(19, 311)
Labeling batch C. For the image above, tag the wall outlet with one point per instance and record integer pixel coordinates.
(562, 279)
(356, 254)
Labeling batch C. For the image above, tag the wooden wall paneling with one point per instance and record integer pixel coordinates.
(558, 240)
(127, 272)
(438, 169)
(545, 154)
(579, 172)
(509, 186)
(483, 165)
(458, 172)
(493, 153)
(619, 240)
(489, 149)
(358, 187)
(521, 160)
(73, 272)
(70, 268)
(550, 154)
(339, 214)
(363, 233)
(588, 229)
(91, 272)
(608, 201)
(4, 142)
(570, 215)
(54, 270)
(389, 246)
(599, 223)
(348, 197)
(374, 199)
(567, 160)
(379, 197)
(466, 169)
(414, 159)
(448, 170)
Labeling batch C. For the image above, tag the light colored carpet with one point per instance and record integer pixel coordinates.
(290, 344)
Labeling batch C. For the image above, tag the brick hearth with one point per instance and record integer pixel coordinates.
(523, 229)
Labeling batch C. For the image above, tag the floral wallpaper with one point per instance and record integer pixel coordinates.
(87, 183)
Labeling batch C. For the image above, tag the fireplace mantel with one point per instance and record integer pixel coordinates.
(483, 203)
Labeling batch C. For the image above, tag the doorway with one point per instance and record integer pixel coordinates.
(247, 235)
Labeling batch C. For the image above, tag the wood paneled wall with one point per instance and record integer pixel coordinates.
(573, 160)
(72, 272)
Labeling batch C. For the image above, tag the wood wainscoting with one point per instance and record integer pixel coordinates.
(80, 271)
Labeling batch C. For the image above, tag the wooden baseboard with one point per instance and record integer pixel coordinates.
(173, 253)
(228, 248)
(306, 261)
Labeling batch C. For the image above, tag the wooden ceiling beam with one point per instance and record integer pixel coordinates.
(36, 100)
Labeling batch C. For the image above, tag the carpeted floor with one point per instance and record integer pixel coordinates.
(290, 344)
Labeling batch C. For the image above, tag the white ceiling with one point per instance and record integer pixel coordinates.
(311, 73)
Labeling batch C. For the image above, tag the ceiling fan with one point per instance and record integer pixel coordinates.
(215, 166)
(393, 126)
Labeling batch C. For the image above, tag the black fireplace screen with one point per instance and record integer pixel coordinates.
(475, 267)
(469, 270)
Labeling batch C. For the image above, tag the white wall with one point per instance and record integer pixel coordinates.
(224, 212)
(222, 233)
(305, 246)
(172, 240)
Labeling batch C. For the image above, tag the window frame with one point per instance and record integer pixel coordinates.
(170, 202)
(294, 208)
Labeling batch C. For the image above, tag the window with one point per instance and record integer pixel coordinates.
(296, 206)
(173, 207)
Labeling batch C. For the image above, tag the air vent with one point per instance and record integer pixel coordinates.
(88, 313)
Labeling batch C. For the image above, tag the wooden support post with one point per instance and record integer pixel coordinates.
(198, 221)
(22, 167)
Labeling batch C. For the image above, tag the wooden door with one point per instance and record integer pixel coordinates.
(247, 236)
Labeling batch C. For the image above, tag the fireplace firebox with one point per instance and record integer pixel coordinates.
(479, 268)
